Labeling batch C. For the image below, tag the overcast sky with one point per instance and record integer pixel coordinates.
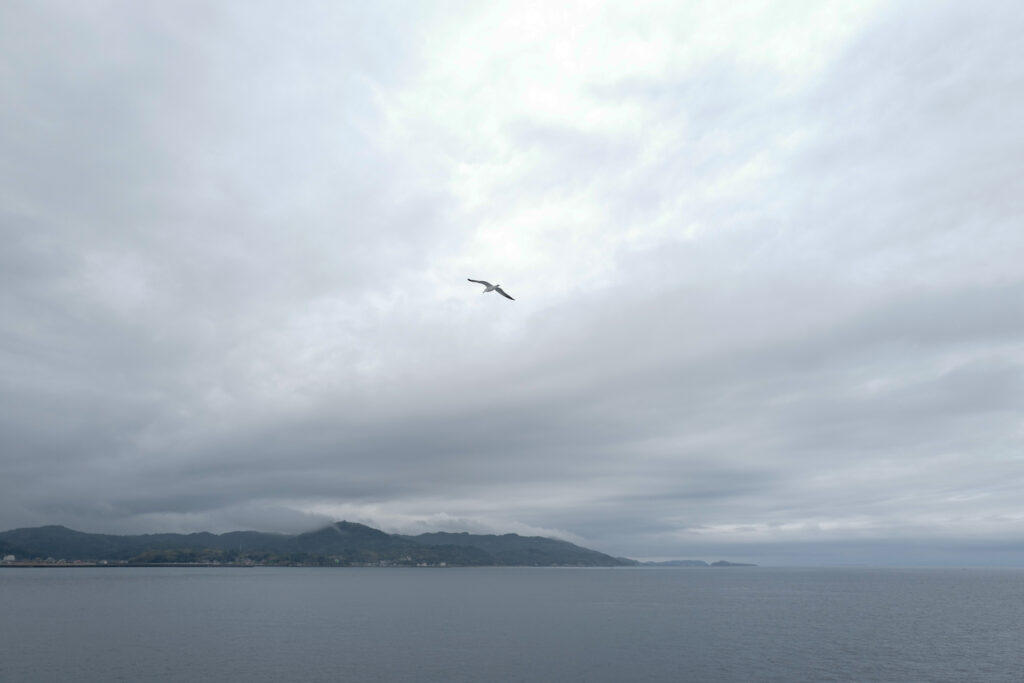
(767, 261)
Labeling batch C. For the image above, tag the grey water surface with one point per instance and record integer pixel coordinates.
(511, 624)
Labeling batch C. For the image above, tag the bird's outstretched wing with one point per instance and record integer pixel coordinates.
(501, 291)
(479, 282)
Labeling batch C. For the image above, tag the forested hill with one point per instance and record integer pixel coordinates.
(512, 549)
(343, 543)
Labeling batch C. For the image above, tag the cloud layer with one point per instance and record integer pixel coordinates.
(765, 258)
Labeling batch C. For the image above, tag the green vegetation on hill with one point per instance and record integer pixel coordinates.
(515, 550)
(340, 544)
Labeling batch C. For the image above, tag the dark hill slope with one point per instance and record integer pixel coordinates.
(515, 550)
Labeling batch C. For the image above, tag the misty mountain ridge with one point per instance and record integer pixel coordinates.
(341, 543)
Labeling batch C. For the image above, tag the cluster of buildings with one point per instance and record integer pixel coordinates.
(13, 561)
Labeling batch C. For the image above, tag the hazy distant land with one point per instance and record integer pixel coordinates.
(340, 544)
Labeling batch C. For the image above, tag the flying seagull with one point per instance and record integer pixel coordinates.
(488, 287)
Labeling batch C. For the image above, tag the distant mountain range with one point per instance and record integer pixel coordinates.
(343, 543)
(339, 544)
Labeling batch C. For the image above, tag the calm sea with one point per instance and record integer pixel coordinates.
(640, 624)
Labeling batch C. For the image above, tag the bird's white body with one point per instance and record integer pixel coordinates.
(488, 287)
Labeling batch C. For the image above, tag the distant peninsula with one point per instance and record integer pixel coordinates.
(342, 544)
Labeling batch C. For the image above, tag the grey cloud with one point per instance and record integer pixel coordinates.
(217, 309)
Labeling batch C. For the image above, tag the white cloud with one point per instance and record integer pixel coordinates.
(765, 257)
